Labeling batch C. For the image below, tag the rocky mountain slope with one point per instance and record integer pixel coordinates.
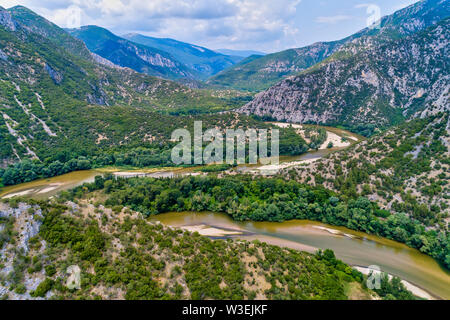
(260, 73)
(405, 170)
(56, 96)
(203, 61)
(132, 55)
(370, 82)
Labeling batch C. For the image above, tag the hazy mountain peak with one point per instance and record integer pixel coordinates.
(241, 53)
(202, 60)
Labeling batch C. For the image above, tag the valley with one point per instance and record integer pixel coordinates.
(44, 188)
(89, 191)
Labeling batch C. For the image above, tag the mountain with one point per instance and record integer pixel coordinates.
(257, 73)
(404, 169)
(260, 74)
(204, 61)
(132, 55)
(240, 53)
(368, 84)
(60, 101)
(153, 60)
(37, 24)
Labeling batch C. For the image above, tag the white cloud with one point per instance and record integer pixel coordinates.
(265, 25)
(218, 23)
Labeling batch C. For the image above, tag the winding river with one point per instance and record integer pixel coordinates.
(354, 248)
(45, 188)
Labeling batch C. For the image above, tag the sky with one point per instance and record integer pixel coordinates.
(262, 25)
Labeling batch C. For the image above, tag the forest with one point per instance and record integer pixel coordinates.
(267, 199)
(122, 256)
(147, 156)
(405, 168)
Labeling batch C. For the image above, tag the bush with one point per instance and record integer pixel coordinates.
(44, 287)
(50, 270)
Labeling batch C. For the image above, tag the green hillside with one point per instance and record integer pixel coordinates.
(204, 61)
(60, 98)
(128, 54)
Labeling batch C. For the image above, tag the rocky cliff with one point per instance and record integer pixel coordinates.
(368, 81)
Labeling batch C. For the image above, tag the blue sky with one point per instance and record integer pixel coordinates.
(264, 25)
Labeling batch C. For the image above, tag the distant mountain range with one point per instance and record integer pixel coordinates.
(379, 78)
(240, 53)
(122, 52)
(203, 61)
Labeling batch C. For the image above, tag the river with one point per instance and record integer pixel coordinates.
(352, 247)
(45, 188)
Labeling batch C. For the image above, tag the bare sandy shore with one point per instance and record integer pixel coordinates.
(18, 194)
(332, 137)
(335, 232)
(287, 125)
(50, 188)
(274, 168)
(335, 140)
(281, 243)
(209, 231)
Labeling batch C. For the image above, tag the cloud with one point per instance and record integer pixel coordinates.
(333, 19)
(265, 25)
(363, 5)
(232, 23)
(218, 23)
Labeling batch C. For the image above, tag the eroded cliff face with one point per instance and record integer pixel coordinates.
(6, 20)
(366, 82)
(20, 226)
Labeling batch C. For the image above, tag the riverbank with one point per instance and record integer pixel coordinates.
(47, 187)
(220, 232)
(400, 262)
(353, 247)
(417, 291)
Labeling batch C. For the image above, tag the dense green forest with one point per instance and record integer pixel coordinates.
(122, 256)
(136, 154)
(138, 269)
(262, 199)
(404, 168)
